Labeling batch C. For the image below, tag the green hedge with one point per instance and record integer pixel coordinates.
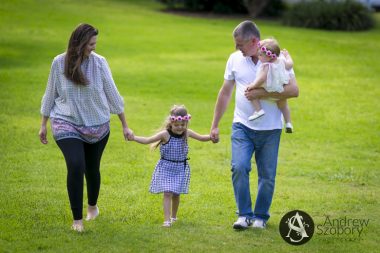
(216, 6)
(273, 9)
(330, 15)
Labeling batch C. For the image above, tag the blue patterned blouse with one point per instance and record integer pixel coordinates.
(82, 105)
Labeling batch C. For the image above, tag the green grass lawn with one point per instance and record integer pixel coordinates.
(328, 167)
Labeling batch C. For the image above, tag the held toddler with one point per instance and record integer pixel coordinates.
(273, 74)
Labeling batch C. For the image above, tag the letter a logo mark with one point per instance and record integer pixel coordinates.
(296, 227)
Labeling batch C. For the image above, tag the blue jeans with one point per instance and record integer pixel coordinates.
(264, 144)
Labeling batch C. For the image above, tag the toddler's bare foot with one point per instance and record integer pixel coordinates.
(78, 226)
(92, 212)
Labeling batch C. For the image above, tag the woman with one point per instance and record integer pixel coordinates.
(79, 97)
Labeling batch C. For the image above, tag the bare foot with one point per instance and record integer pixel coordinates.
(78, 226)
(92, 212)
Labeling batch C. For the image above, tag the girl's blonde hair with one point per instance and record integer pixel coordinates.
(272, 45)
(176, 110)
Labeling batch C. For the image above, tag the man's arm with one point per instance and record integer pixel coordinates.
(222, 101)
(290, 91)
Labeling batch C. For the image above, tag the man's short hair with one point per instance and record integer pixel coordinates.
(246, 30)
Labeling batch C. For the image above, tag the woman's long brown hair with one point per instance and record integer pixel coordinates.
(75, 52)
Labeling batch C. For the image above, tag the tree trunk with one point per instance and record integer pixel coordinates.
(255, 7)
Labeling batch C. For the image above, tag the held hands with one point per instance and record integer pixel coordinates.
(42, 134)
(214, 135)
(128, 134)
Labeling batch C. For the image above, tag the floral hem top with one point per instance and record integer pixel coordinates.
(62, 129)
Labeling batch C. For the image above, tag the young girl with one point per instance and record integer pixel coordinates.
(172, 173)
(274, 72)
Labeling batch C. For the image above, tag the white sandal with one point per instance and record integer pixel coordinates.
(167, 224)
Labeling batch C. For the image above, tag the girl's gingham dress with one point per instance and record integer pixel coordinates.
(172, 172)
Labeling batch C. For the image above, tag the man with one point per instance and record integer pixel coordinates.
(260, 137)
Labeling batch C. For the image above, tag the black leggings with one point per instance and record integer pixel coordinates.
(82, 159)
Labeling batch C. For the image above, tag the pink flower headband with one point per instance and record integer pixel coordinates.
(180, 118)
(267, 51)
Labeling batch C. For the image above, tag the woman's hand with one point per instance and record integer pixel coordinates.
(128, 134)
(43, 133)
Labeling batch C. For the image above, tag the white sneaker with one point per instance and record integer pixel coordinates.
(259, 224)
(242, 223)
(289, 128)
(256, 115)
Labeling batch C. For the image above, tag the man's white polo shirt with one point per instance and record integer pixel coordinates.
(243, 71)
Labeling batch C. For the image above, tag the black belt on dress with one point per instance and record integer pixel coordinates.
(174, 161)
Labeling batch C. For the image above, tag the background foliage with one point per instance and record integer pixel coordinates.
(346, 15)
(255, 8)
